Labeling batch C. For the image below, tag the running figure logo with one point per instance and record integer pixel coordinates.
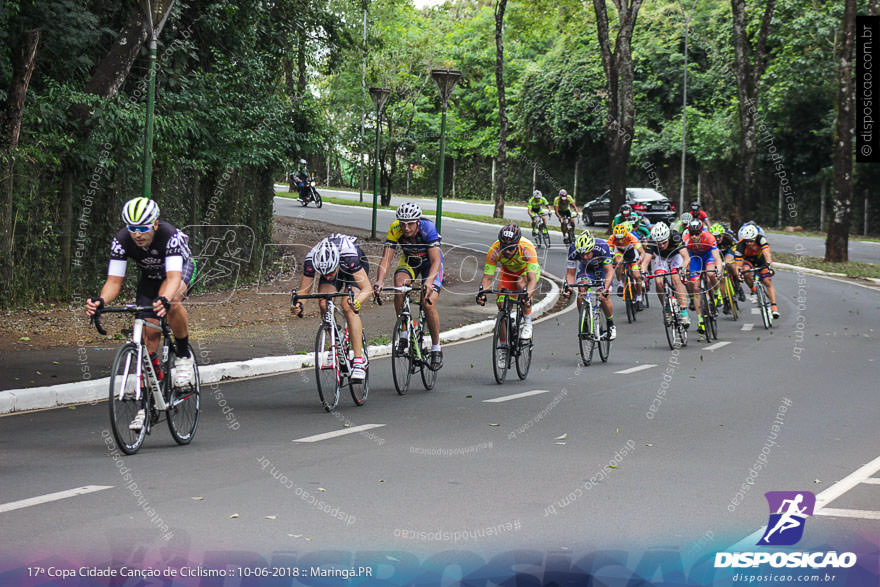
(788, 513)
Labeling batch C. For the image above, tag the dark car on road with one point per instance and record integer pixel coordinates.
(647, 202)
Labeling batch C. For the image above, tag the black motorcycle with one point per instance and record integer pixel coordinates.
(307, 191)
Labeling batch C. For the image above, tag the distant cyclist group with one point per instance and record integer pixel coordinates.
(688, 251)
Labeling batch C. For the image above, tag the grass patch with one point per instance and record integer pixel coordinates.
(381, 339)
(822, 235)
(850, 268)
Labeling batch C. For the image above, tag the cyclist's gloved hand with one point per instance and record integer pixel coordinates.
(566, 291)
(161, 305)
(94, 304)
(481, 298)
(356, 305)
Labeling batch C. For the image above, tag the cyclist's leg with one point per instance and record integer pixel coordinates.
(431, 292)
(659, 267)
(403, 275)
(771, 291)
(749, 278)
(533, 218)
(147, 292)
(695, 268)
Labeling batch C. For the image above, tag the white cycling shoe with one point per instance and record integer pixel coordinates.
(183, 371)
(526, 332)
(138, 421)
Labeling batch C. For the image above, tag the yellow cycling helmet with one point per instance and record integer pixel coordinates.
(584, 243)
(621, 230)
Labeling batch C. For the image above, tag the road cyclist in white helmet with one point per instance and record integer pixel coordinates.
(167, 271)
(339, 263)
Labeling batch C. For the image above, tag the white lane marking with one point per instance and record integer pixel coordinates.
(864, 472)
(872, 481)
(635, 369)
(469, 230)
(748, 327)
(335, 433)
(49, 497)
(756, 311)
(847, 513)
(717, 345)
(507, 398)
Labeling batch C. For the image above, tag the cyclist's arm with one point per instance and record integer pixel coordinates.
(531, 283)
(436, 258)
(645, 261)
(167, 290)
(489, 268)
(575, 207)
(362, 281)
(609, 276)
(109, 291)
(569, 276)
(387, 255)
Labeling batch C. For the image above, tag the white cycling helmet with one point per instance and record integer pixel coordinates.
(748, 232)
(686, 218)
(409, 211)
(660, 232)
(326, 257)
(140, 212)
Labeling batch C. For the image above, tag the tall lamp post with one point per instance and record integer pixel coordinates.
(155, 10)
(445, 80)
(684, 103)
(379, 96)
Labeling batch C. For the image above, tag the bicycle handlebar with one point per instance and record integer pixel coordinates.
(507, 292)
(295, 298)
(761, 268)
(404, 289)
(130, 308)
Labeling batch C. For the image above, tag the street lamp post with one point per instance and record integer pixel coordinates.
(445, 80)
(379, 96)
(154, 10)
(684, 100)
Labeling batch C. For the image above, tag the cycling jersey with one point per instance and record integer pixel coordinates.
(169, 251)
(562, 203)
(351, 258)
(752, 250)
(537, 204)
(676, 244)
(415, 249)
(525, 259)
(726, 241)
(700, 245)
(594, 267)
(628, 243)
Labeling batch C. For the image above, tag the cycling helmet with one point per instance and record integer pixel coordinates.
(748, 232)
(302, 161)
(140, 212)
(562, 193)
(509, 235)
(695, 226)
(408, 211)
(584, 243)
(695, 206)
(626, 210)
(537, 194)
(621, 230)
(660, 232)
(686, 218)
(717, 229)
(326, 257)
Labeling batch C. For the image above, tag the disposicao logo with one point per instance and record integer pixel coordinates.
(789, 511)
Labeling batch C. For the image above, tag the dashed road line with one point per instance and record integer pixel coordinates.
(748, 327)
(507, 398)
(50, 497)
(756, 311)
(336, 433)
(635, 369)
(717, 345)
(847, 513)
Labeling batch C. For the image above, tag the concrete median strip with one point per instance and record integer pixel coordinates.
(35, 398)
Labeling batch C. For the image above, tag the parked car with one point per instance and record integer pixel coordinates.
(645, 201)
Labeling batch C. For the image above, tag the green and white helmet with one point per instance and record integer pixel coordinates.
(140, 212)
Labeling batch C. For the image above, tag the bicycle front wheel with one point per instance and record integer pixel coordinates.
(184, 406)
(500, 362)
(671, 326)
(429, 376)
(628, 301)
(327, 375)
(524, 350)
(401, 362)
(764, 305)
(602, 337)
(586, 342)
(361, 389)
(124, 384)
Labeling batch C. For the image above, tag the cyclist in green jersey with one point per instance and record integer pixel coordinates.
(536, 208)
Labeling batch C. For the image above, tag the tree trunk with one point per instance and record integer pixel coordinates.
(837, 241)
(500, 7)
(750, 66)
(618, 66)
(301, 63)
(66, 206)
(23, 60)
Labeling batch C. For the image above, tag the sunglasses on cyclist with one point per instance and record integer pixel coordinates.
(140, 229)
(408, 222)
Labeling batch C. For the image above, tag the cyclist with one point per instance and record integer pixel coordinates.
(589, 259)
(704, 253)
(536, 206)
(753, 250)
(639, 225)
(681, 224)
(162, 253)
(667, 254)
(563, 205)
(421, 258)
(340, 264)
(519, 271)
(700, 214)
(627, 250)
(726, 239)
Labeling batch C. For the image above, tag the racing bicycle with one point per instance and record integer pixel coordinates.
(592, 330)
(507, 347)
(761, 291)
(415, 357)
(676, 333)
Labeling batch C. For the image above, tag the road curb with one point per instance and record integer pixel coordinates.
(800, 269)
(52, 396)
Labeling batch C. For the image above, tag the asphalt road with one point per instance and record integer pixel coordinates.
(648, 461)
(864, 251)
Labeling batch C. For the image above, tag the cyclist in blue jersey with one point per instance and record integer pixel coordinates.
(590, 259)
(421, 258)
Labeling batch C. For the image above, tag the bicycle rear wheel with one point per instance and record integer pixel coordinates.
(401, 364)
(500, 359)
(361, 389)
(183, 405)
(586, 342)
(327, 375)
(523, 350)
(124, 409)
